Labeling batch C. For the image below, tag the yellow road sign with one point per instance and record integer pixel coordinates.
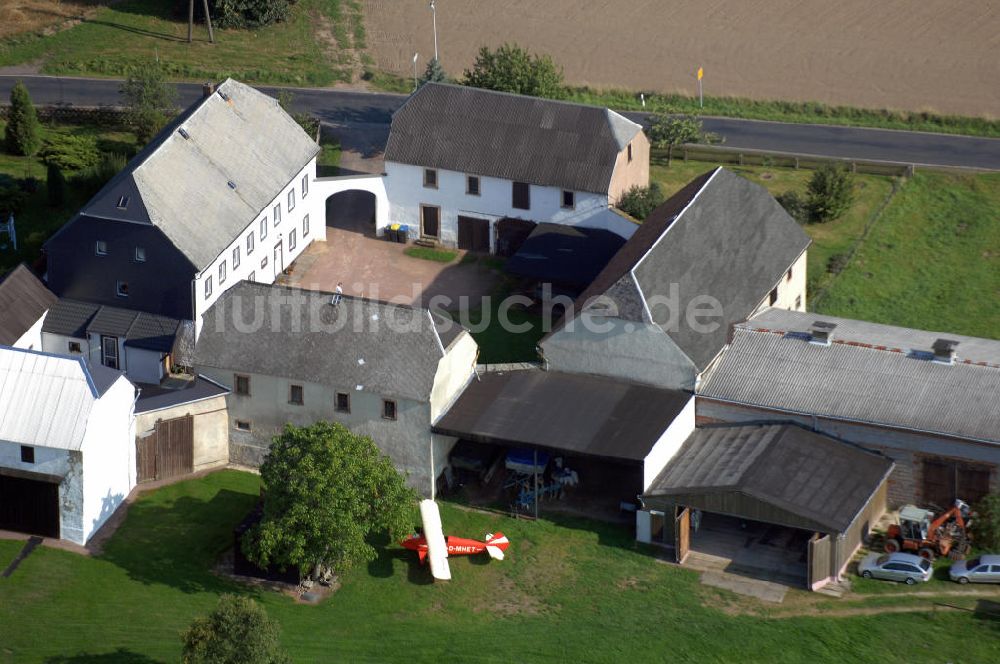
(701, 73)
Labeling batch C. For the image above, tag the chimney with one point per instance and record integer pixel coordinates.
(821, 332)
(944, 351)
(207, 89)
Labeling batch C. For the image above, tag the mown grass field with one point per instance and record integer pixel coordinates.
(568, 591)
(316, 47)
(931, 262)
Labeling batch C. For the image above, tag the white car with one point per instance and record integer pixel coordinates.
(984, 569)
(904, 567)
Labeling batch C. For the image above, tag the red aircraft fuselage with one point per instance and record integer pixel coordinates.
(458, 546)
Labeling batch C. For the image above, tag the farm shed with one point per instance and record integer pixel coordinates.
(622, 433)
(778, 486)
(567, 256)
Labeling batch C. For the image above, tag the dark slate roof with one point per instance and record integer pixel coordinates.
(571, 255)
(154, 397)
(387, 349)
(871, 373)
(23, 300)
(244, 138)
(103, 377)
(74, 318)
(810, 475)
(575, 413)
(721, 236)
(514, 137)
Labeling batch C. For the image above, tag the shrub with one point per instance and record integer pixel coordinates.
(640, 201)
(21, 136)
(12, 200)
(434, 73)
(55, 183)
(309, 124)
(70, 153)
(243, 14)
(830, 193)
(987, 523)
(238, 631)
(836, 263)
(148, 99)
(795, 206)
(510, 68)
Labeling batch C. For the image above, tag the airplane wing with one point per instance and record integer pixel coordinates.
(437, 549)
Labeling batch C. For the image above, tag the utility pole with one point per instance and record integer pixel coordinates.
(208, 19)
(434, 18)
(415, 56)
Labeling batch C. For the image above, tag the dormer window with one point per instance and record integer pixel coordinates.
(123, 203)
(101, 248)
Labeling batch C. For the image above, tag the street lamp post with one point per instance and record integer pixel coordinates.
(434, 18)
(415, 55)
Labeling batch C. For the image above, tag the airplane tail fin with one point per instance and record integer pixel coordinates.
(496, 544)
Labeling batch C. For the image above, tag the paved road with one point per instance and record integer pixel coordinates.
(361, 108)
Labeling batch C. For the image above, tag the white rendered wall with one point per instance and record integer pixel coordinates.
(313, 204)
(143, 366)
(32, 338)
(666, 447)
(406, 191)
(108, 455)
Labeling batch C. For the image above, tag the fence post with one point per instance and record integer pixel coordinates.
(796, 163)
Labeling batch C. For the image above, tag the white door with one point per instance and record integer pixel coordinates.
(279, 260)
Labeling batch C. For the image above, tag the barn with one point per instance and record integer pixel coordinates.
(67, 456)
(767, 498)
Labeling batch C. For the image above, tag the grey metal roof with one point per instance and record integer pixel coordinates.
(74, 318)
(561, 254)
(808, 474)
(23, 300)
(576, 413)
(181, 185)
(387, 349)
(154, 397)
(48, 399)
(721, 236)
(869, 373)
(514, 137)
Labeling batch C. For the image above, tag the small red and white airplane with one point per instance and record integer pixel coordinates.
(434, 547)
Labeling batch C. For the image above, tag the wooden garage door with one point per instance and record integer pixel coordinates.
(167, 452)
(945, 480)
(29, 506)
(473, 234)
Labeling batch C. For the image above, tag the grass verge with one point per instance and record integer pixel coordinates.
(154, 579)
(430, 254)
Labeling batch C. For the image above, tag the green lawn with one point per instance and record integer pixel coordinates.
(39, 220)
(931, 262)
(569, 590)
(431, 254)
(498, 345)
(312, 48)
(829, 239)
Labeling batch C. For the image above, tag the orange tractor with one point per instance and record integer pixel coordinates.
(920, 532)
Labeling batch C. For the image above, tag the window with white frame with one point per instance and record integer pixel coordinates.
(101, 248)
(236, 257)
(291, 200)
(263, 229)
(222, 272)
(208, 287)
(305, 225)
(250, 243)
(305, 186)
(277, 214)
(291, 239)
(140, 254)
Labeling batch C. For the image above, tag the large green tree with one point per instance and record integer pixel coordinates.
(434, 73)
(830, 192)
(238, 631)
(326, 490)
(149, 100)
(510, 68)
(21, 136)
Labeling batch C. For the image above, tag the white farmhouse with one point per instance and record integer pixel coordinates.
(222, 194)
(459, 160)
(67, 444)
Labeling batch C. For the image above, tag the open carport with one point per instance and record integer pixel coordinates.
(769, 498)
(615, 435)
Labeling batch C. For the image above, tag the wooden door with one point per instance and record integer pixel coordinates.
(682, 534)
(145, 458)
(818, 557)
(279, 260)
(29, 506)
(474, 234)
(167, 452)
(430, 221)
